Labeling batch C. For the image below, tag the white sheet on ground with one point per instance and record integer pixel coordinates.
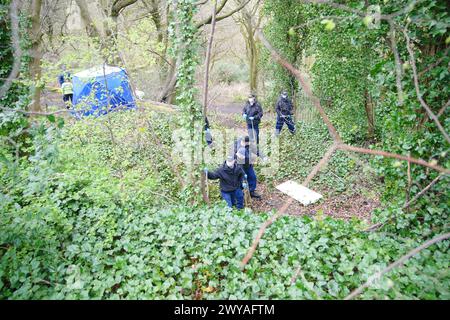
(298, 192)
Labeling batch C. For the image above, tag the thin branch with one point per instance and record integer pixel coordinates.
(305, 86)
(222, 17)
(406, 205)
(444, 107)
(421, 193)
(435, 64)
(400, 261)
(395, 156)
(416, 85)
(208, 59)
(299, 272)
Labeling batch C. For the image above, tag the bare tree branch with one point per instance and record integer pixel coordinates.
(407, 204)
(209, 18)
(416, 85)
(395, 156)
(400, 261)
(222, 17)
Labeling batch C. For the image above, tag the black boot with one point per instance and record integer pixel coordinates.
(255, 195)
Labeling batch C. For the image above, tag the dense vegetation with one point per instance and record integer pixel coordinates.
(94, 209)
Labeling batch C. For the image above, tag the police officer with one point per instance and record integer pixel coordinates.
(246, 156)
(253, 113)
(231, 178)
(285, 110)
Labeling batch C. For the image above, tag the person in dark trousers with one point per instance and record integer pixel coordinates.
(67, 91)
(231, 178)
(246, 156)
(208, 136)
(253, 113)
(285, 110)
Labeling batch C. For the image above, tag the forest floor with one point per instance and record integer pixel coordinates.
(341, 206)
(227, 115)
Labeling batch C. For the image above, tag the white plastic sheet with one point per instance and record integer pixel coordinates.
(298, 192)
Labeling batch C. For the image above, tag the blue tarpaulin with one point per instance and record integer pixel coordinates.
(97, 88)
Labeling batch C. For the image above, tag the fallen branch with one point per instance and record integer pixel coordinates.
(410, 254)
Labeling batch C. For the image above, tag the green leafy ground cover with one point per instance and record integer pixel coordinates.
(85, 219)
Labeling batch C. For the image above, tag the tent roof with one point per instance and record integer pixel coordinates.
(97, 71)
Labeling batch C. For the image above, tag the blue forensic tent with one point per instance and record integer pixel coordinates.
(96, 88)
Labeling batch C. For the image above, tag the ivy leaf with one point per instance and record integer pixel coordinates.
(51, 118)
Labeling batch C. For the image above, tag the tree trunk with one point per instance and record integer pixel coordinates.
(36, 54)
(205, 98)
(253, 59)
(91, 29)
(168, 93)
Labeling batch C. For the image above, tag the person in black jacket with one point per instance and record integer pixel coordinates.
(253, 113)
(231, 182)
(246, 156)
(285, 110)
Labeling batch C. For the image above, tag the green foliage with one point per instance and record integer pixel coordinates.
(114, 252)
(406, 129)
(93, 209)
(185, 47)
(352, 62)
(283, 16)
(95, 216)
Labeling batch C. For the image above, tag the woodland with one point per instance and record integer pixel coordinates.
(116, 207)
